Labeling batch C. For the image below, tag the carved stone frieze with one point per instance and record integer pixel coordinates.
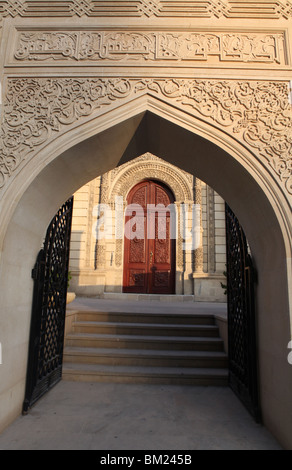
(257, 113)
(211, 229)
(198, 252)
(135, 46)
(151, 167)
(148, 8)
(119, 252)
(12, 8)
(100, 255)
(149, 157)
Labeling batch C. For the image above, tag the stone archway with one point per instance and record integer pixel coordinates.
(104, 148)
(148, 166)
(96, 261)
(88, 88)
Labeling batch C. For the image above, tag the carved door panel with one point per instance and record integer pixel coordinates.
(149, 251)
(136, 250)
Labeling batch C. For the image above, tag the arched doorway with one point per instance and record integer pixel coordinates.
(149, 247)
(30, 202)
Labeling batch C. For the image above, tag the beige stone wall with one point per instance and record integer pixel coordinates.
(79, 235)
(220, 243)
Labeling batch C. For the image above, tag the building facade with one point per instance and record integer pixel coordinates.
(97, 258)
(88, 86)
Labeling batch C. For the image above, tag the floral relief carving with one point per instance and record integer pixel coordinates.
(257, 113)
(183, 191)
(159, 171)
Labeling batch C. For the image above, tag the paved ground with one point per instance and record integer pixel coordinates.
(84, 416)
(153, 306)
(90, 416)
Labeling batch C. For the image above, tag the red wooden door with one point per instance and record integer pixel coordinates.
(149, 250)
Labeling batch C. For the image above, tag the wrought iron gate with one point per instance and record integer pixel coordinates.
(242, 349)
(50, 276)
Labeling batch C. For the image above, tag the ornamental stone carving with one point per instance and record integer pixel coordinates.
(257, 113)
(134, 46)
(148, 8)
(151, 167)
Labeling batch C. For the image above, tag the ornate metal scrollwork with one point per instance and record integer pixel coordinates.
(242, 349)
(50, 276)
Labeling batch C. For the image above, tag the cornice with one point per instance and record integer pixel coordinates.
(145, 8)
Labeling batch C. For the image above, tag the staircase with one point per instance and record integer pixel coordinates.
(180, 349)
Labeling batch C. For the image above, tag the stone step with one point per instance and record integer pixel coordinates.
(124, 297)
(149, 375)
(145, 348)
(155, 342)
(145, 329)
(141, 317)
(139, 357)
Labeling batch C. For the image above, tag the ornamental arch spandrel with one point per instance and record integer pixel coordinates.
(84, 90)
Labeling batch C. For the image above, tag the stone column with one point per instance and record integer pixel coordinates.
(179, 285)
(198, 229)
(186, 246)
(199, 277)
(100, 244)
(211, 230)
(89, 242)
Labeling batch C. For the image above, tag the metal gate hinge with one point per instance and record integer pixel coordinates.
(35, 272)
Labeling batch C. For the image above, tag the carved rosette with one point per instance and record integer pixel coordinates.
(257, 113)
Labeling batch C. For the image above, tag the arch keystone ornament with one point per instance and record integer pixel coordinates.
(256, 113)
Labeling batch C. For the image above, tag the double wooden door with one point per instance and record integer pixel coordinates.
(149, 247)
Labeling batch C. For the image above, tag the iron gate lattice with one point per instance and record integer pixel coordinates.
(242, 349)
(50, 276)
